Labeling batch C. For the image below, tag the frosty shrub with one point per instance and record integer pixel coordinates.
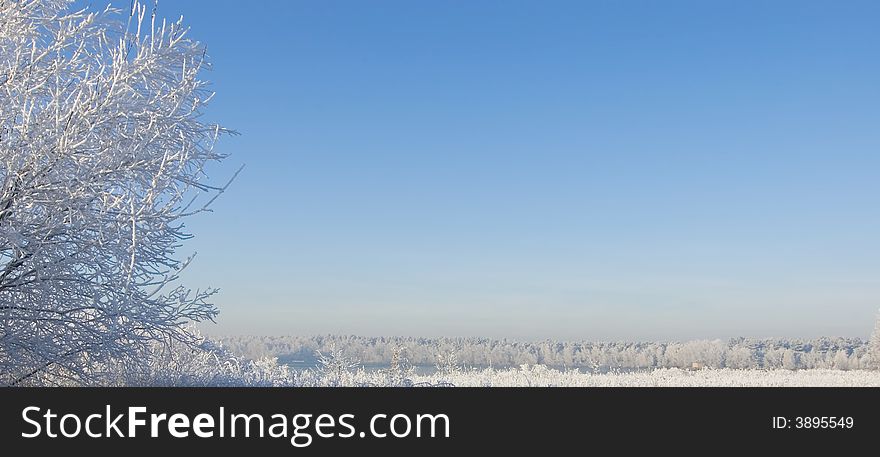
(334, 369)
(205, 364)
(102, 152)
(401, 371)
(447, 362)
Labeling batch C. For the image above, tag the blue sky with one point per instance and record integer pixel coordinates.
(590, 170)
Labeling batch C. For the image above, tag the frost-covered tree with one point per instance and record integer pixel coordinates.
(102, 151)
(740, 358)
(790, 359)
(335, 368)
(874, 347)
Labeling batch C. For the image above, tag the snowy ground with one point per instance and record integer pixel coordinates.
(540, 376)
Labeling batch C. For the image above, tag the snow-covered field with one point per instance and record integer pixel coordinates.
(541, 376)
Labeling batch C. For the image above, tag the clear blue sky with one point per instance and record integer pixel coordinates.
(596, 170)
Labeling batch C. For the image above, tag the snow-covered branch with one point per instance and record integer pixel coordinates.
(102, 146)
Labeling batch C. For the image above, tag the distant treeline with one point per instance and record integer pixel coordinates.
(837, 353)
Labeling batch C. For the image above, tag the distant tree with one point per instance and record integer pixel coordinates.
(790, 359)
(874, 347)
(773, 358)
(841, 360)
(740, 358)
(102, 153)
